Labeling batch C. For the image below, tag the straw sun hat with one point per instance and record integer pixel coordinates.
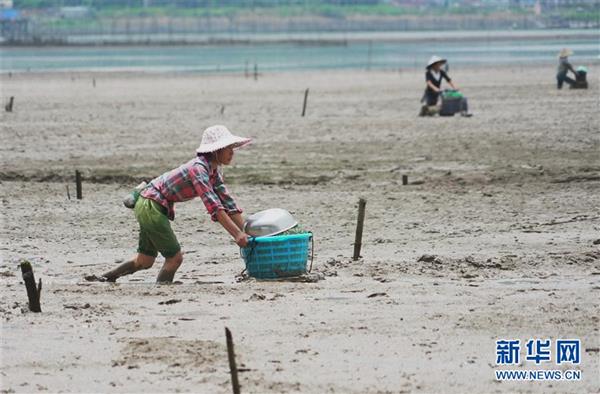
(565, 52)
(219, 137)
(435, 59)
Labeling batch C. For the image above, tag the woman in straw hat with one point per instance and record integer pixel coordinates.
(199, 177)
(563, 68)
(434, 75)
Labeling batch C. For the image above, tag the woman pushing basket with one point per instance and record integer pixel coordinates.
(434, 75)
(200, 177)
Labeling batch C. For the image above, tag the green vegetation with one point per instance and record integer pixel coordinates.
(296, 8)
(327, 10)
(282, 8)
(581, 15)
(111, 12)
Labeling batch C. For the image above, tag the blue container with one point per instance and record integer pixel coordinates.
(280, 256)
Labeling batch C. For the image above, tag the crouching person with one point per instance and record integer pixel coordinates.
(200, 177)
(434, 75)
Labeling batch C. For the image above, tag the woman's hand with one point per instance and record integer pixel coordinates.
(241, 239)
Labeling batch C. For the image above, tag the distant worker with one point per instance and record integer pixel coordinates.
(563, 68)
(455, 101)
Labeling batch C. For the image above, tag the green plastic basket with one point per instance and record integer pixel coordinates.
(452, 94)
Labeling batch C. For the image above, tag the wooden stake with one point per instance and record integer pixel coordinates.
(222, 109)
(255, 72)
(235, 384)
(68, 194)
(9, 107)
(405, 180)
(305, 101)
(78, 184)
(359, 228)
(33, 292)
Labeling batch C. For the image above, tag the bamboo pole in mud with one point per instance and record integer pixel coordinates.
(255, 72)
(78, 184)
(405, 179)
(9, 107)
(33, 292)
(305, 101)
(235, 384)
(359, 228)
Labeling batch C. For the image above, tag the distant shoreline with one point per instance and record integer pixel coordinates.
(82, 74)
(309, 38)
(277, 52)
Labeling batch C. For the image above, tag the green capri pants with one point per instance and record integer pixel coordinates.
(156, 234)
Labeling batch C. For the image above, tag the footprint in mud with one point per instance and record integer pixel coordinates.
(201, 355)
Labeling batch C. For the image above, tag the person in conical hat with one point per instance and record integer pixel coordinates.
(563, 68)
(564, 53)
(434, 74)
(201, 178)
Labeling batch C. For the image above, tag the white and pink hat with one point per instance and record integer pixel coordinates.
(219, 137)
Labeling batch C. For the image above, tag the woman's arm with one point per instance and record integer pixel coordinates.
(238, 219)
(218, 211)
(232, 228)
(226, 199)
(448, 79)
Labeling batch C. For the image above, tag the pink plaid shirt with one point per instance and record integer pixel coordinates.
(192, 179)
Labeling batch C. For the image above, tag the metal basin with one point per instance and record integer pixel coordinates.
(269, 222)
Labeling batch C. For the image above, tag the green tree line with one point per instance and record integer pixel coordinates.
(99, 4)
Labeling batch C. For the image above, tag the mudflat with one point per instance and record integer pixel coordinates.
(496, 235)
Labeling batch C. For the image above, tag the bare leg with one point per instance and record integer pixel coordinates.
(143, 261)
(138, 262)
(167, 273)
